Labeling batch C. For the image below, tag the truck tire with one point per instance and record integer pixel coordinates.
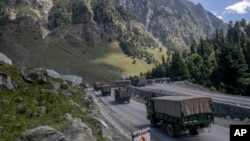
(128, 101)
(153, 122)
(193, 132)
(170, 130)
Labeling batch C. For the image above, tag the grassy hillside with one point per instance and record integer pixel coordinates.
(103, 62)
(28, 106)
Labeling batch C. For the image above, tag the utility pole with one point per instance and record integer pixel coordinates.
(67, 67)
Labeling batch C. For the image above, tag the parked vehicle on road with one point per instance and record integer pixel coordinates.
(106, 90)
(179, 114)
(122, 95)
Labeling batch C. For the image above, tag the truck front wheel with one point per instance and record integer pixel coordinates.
(153, 122)
(170, 130)
(193, 132)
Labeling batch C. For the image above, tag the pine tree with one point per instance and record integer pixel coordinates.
(194, 63)
(179, 69)
(232, 70)
(193, 47)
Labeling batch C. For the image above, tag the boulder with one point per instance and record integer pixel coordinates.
(78, 131)
(53, 73)
(5, 59)
(73, 78)
(42, 133)
(56, 86)
(64, 85)
(6, 82)
(102, 122)
(36, 75)
(68, 117)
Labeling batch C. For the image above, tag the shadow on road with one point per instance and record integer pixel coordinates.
(142, 126)
(115, 103)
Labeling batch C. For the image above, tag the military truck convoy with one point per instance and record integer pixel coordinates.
(178, 114)
(122, 95)
(121, 89)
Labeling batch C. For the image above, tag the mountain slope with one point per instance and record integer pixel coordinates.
(100, 39)
(174, 22)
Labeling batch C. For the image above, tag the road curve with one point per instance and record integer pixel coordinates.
(136, 113)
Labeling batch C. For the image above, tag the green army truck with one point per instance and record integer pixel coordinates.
(106, 90)
(97, 86)
(122, 95)
(178, 114)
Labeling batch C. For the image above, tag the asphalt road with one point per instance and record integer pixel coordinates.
(217, 97)
(135, 112)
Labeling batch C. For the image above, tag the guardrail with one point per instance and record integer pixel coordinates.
(221, 108)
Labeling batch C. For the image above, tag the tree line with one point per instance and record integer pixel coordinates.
(220, 62)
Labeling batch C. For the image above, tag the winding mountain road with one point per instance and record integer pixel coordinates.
(135, 112)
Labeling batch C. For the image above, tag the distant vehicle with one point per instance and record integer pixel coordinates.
(158, 80)
(121, 83)
(139, 81)
(166, 80)
(149, 82)
(122, 95)
(106, 90)
(97, 86)
(178, 114)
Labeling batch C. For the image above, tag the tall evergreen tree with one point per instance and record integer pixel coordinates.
(179, 69)
(233, 70)
(194, 63)
(209, 64)
(193, 47)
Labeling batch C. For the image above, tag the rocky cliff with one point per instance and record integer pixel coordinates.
(173, 21)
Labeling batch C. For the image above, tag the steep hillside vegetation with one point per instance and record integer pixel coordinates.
(99, 39)
(28, 101)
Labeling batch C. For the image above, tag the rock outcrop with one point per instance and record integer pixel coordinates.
(5, 59)
(6, 82)
(36, 75)
(42, 133)
(78, 131)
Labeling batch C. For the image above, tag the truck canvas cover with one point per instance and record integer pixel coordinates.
(122, 93)
(106, 88)
(188, 105)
